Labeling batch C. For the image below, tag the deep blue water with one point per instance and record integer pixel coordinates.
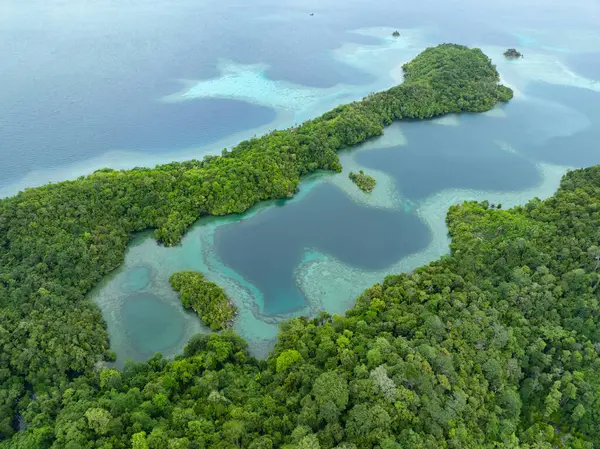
(267, 247)
(468, 156)
(82, 80)
(82, 131)
(440, 157)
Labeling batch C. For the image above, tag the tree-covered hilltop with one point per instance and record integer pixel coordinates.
(494, 346)
(59, 240)
(206, 298)
(364, 182)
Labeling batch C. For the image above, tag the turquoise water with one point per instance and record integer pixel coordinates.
(136, 279)
(152, 326)
(123, 85)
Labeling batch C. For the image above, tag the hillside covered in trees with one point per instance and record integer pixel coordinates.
(496, 345)
(57, 241)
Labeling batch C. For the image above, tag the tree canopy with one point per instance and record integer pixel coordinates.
(206, 298)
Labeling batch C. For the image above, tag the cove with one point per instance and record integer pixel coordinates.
(266, 248)
(143, 315)
(255, 257)
(552, 124)
(320, 249)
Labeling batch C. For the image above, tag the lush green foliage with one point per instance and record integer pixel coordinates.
(512, 53)
(495, 345)
(364, 182)
(57, 241)
(207, 299)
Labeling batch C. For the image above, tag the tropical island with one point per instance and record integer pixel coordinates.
(206, 298)
(494, 345)
(512, 53)
(364, 182)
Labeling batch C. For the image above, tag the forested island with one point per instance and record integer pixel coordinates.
(513, 53)
(495, 345)
(364, 182)
(206, 298)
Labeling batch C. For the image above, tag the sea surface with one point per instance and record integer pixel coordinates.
(122, 84)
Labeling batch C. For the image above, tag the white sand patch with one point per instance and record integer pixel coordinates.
(505, 146)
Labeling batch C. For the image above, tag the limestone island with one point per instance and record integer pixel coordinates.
(396, 33)
(206, 298)
(364, 182)
(512, 53)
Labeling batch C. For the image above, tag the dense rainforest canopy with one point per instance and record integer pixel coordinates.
(207, 299)
(494, 346)
(57, 241)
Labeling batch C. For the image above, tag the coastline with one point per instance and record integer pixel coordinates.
(366, 57)
(321, 278)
